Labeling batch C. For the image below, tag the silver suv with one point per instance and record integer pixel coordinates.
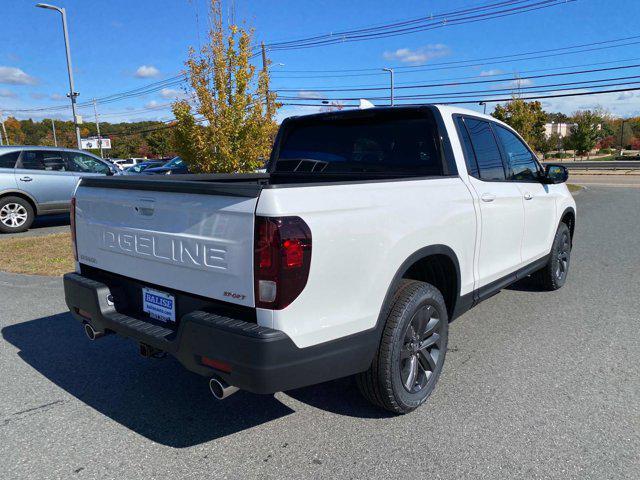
(40, 180)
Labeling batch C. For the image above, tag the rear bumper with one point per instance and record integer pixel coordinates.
(262, 360)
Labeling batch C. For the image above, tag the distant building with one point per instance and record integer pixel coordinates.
(560, 129)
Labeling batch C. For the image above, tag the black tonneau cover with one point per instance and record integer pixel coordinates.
(236, 185)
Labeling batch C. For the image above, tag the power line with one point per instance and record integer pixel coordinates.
(491, 60)
(493, 100)
(458, 17)
(474, 82)
(471, 93)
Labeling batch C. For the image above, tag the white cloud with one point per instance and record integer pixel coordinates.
(610, 101)
(491, 73)
(147, 71)
(56, 97)
(518, 83)
(151, 104)
(419, 55)
(15, 76)
(310, 95)
(172, 94)
(626, 95)
(4, 93)
(38, 96)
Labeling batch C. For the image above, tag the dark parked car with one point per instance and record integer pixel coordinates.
(141, 167)
(172, 167)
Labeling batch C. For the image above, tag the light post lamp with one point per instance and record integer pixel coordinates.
(484, 107)
(390, 70)
(72, 93)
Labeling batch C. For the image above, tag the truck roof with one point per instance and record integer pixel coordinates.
(443, 108)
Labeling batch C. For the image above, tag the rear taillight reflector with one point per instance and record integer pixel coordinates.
(217, 364)
(72, 222)
(282, 258)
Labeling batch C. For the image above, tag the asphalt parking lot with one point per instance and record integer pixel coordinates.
(536, 385)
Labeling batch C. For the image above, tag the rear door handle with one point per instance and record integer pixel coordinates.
(488, 197)
(25, 179)
(528, 196)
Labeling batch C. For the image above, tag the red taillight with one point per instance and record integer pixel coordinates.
(217, 364)
(282, 257)
(72, 222)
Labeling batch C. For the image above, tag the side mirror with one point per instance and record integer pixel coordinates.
(555, 174)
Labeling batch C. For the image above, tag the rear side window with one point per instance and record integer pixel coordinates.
(391, 143)
(485, 149)
(43, 160)
(8, 160)
(467, 148)
(521, 162)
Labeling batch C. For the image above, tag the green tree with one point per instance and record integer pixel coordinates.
(238, 107)
(585, 132)
(15, 135)
(527, 118)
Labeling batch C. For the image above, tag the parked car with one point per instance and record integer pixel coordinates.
(129, 162)
(175, 166)
(40, 180)
(370, 231)
(141, 167)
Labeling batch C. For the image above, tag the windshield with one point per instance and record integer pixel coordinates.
(174, 162)
(390, 141)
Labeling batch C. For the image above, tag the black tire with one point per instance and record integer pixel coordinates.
(23, 215)
(554, 274)
(400, 353)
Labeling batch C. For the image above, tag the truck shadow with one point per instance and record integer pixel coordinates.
(157, 399)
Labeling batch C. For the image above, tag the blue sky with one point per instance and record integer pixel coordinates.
(121, 45)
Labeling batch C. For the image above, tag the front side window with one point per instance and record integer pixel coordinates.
(382, 143)
(51, 161)
(8, 160)
(80, 162)
(485, 149)
(521, 162)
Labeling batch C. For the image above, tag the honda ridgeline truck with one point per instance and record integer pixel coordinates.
(369, 232)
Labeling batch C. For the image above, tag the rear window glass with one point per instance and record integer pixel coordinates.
(8, 160)
(389, 142)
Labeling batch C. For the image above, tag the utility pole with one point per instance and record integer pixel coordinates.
(53, 126)
(390, 70)
(264, 68)
(621, 137)
(4, 130)
(95, 111)
(72, 93)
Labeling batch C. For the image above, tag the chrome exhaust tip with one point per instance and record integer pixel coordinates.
(221, 389)
(91, 333)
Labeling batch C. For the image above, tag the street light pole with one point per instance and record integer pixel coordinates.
(390, 70)
(4, 130)
(72, 93)
(95, 111)
(53, 126)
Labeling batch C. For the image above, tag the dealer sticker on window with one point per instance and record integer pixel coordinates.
(159, 305)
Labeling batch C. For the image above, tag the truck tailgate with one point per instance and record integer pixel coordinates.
(192, 242)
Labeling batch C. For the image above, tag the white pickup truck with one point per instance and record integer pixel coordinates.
(371, 230)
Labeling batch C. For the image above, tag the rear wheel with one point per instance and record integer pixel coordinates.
(16, 215)
(554, 275)
(411, 354)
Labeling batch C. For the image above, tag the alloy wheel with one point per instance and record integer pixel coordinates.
(563, 254)
(421, 349)
(13, 215)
